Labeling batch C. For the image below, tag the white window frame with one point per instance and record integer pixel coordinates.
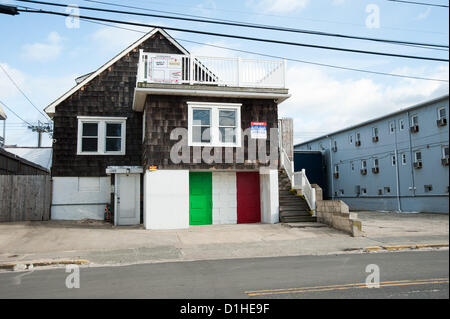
(376, 163)
(358, 137)
(392, 127)
(101, 134)
(350, 139)
(412, 119)
(352, 166)
(443, 151)
(393, 160)
(403, 158)
(336, 168)
(439, 112)
(363, 164)
(415, 156)
(214, 125)
(401, 124)
(375, 131)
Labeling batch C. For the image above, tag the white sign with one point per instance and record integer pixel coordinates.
(165, 68)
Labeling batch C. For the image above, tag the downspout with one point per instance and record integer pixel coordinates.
(331, 170)
(397, 177)
(411, 157)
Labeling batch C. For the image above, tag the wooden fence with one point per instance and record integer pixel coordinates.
(25, 197)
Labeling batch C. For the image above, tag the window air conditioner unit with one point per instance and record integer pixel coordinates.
(375, 170)
(414, 128)
(442, 122)
(375, 139)
(444, 161)
(418, 164)
(364, 171)
(358, 143)
(336, 175)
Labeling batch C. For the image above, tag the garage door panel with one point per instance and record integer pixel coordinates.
(200, 198)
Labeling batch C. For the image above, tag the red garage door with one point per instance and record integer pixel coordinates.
(248, 200)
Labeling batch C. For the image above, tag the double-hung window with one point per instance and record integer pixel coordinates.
(214, 124)
(101, 135)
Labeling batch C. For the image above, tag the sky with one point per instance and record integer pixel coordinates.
(44, 54)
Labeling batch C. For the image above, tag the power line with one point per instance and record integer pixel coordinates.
(246, 25)
(420, 3)
(13, 112)
(241, 37)
(255, 14)
(280, 57)
(20, 90)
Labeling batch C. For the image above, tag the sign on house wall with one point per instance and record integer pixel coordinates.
(258, 130)
(165, 68)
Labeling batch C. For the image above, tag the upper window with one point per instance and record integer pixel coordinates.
(375, 131)
(441, 113)
(445, 151)
(101, 135)
(214, 124)
(414, 120)
(391, 127)
(401, 124)
(403, 158)
(393, 160)
(350, 139)
(418, 156)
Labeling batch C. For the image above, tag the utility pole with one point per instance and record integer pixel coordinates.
(41, 128)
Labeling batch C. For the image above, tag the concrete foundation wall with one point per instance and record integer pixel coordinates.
(269, 196)
(166, 199)
(224, 198)
(76, 198)
(431, 204)
(336, 214)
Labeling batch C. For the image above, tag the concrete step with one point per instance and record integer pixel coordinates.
(293, 203)
(285, 193)
(292, 213)
(294, 219)
(294, 208)
(304, 225)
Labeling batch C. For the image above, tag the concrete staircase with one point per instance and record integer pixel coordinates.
(293, 208)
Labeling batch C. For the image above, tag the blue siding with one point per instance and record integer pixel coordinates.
(411, 181)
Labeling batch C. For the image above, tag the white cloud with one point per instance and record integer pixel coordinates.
(321, 103)
(277, 6)
(7, 89)
(44, 51)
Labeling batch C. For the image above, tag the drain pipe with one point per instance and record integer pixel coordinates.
(397, 175)
(331, 170)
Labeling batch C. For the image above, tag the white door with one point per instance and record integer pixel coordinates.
(127, 199)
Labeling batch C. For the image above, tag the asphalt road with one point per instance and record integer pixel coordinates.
(417, 274)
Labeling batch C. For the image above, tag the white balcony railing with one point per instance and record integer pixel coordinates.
(189, 69)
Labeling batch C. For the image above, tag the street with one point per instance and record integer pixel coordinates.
(415, 274)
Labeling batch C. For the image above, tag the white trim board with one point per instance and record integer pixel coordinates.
(50, 109)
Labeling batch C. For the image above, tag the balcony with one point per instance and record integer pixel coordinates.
(189, 75)
(190, 69)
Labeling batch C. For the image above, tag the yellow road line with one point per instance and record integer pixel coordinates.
(345, 286)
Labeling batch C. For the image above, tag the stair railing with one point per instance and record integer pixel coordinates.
(301, 182)
(288, 165)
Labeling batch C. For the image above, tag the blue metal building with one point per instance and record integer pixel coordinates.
(397, 162)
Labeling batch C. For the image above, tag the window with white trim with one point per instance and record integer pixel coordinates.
(376, 163)
(393, 160)
(401, 124)
(445, 151)
(418, 156)
(414, 120)
(363, 164)
(403, 158)
(336, 169)
(352, 166)
(214, 124)
(374, 131)
(350, 139)
(101, 135)
(441, 113)
(391, 127)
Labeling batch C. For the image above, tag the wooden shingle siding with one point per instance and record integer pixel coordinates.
(165, 113)
(109, 94)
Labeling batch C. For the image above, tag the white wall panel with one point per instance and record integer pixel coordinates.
(166, 199)
(224, 198)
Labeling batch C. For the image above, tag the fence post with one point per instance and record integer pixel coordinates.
(191, 69)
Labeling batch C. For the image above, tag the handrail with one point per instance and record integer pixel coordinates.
(190, 69)
(301, 182)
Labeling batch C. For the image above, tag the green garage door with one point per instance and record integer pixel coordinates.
(200, 198)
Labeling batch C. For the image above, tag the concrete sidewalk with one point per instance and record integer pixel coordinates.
(101, 243)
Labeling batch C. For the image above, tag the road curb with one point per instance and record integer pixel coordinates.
(22, 265)
(403, 247)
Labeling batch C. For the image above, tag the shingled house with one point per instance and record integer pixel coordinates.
(165, 138)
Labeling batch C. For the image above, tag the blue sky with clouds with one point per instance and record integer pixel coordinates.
(44, 56)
